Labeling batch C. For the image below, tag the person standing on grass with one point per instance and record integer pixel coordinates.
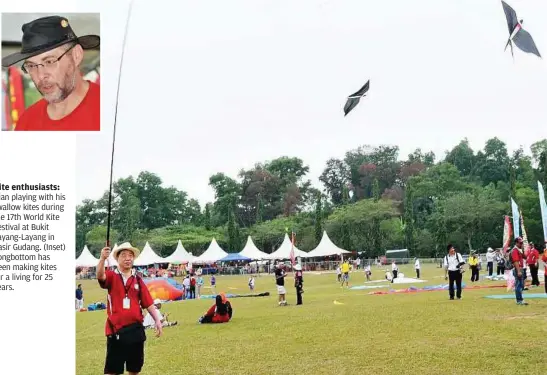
(517, 257)
(79, 297)
(199, 284)
(532, 261)
(127, 295)
(298, 283)
(453, 263)
(417, 267)
(339, 273)
(500, 260)
(544, 260)
(186, 285)
(213, 285)
(474, 265)
(490, 257)
(192, 287)
(345, 273)
(368, 271)
(280, 283)
(394, 270)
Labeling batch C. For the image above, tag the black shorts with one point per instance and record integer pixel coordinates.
(118, 355)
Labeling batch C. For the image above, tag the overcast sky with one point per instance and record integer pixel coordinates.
(216, 86)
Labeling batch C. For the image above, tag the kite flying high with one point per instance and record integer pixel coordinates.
(353, 99)
(517, 34)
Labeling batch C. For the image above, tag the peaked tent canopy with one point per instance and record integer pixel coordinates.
(284, 251)
(251, 251)
(213, 254)
(180, 255)
(111, 262)
(148, 257)
(326, 248)
(86, 259)
(234, 257)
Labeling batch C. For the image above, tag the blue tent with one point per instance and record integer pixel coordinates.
(234, 257)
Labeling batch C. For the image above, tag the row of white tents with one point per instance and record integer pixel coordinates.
(215, 253)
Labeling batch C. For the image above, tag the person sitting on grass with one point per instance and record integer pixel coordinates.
(220, 312)
(149, 321)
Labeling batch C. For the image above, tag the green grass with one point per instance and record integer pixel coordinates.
(422, 333)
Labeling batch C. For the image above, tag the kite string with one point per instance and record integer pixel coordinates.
(109, 214)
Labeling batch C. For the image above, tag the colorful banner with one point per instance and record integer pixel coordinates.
(16, 94)
(516, 218)
(526, 246)
(293, 258)
(506, 234)
(543, 206)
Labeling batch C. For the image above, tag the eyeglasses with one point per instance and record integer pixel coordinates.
(49, 64)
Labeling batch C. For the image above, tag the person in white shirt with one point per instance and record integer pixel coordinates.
(417, 267)
(252, 283)
(453, 263)
(338, 273)
(368, 272)
(388, 276)
(149, 321)
(186, 284)
(394, 270)
(490, 256)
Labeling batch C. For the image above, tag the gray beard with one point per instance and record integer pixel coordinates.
(63, 92)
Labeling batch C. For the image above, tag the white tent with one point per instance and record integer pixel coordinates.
(213, 253)
(251, 251)
(148, 257)
(111, 262)
(86, 259)
(180, 255)
(284, 251)
(326, 248)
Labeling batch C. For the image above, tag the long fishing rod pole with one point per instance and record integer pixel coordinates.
(108, 220)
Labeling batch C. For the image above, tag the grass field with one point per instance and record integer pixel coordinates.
(421, 333)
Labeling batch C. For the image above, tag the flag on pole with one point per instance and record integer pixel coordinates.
(293, 261)
(516, 218)
(506, 234)
(543, 207)
(524, 236)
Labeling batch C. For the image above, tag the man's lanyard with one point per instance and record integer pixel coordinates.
(126, 287)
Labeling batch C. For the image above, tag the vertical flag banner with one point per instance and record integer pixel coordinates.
(543, 206)
(293, 262)
(516, 218)
(524, 236)
(506, 234)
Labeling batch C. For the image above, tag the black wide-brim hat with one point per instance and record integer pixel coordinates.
(45, 34)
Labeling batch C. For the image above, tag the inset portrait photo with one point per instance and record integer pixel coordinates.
(51, 72)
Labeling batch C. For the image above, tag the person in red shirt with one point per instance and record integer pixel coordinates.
(517, 257)
(192, 287)
(52, 56)
(220, 312)
(124, 328)
(544, 260)
(532, 260)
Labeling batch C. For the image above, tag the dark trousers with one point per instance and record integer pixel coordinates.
(298, 295)
(394, 275)
(490, 266)
(455, 277)
(474, 273)
(417, 273)
(501, 269)
(192, 292)
(534, 272)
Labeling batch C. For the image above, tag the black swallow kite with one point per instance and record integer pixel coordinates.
(522, 38)
(353, 99)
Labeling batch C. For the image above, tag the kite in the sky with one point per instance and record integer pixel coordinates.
(353, 99)
(517, 34)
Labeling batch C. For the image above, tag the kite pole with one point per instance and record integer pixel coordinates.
(108, 220)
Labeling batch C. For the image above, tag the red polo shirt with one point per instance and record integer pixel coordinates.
(85, 117)
(533, 257)
(138, 295)
(517, 256)
(544, 259)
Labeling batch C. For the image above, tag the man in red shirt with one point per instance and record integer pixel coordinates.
(532, 261)
(517, 257)
(52, 56)
(127, 294)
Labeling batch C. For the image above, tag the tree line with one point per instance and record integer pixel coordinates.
(371, 200)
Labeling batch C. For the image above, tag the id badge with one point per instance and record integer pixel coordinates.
(126, 303)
